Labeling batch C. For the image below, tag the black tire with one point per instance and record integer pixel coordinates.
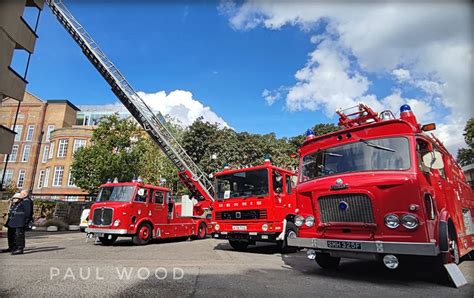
(326, 261)
(202, 231)
(108, 239)
(452, 254)
(142, 237)
(238, 245)
(291, 230)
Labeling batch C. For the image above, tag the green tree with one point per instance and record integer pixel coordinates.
(115, 151)
(466, 155)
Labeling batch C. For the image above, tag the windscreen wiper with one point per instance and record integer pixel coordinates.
(373, 145)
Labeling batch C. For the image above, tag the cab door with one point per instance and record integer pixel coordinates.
(430, 187)
(159, 212)
(279, 193)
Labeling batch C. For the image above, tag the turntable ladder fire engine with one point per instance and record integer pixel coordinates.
(154, 123)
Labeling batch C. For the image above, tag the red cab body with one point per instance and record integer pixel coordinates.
(382, 187)
(143, 212)
(253, 204)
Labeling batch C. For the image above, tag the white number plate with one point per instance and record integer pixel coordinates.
(239, 228)
(93, 235)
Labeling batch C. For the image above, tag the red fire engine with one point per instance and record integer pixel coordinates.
(254, 204)
(143, 212)
(381, 188)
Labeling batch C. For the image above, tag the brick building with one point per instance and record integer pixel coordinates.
(42, 152)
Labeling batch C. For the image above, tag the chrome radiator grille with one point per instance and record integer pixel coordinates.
(241, 215)
(102, 216)
(346, 208)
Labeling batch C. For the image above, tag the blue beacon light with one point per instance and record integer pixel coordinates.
(309, 134)
(405, 108)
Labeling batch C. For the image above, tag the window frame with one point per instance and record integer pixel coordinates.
(40, 179)
(76, 147)
(58, 176)
(22, 176)
(27, 146)
(62, 148)
(31, 129)
(47, 172)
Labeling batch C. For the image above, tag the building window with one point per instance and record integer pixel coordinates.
(58, 176)
(62, 148)
(48, 132)
(46, 177)
(51, 151)
(31, 133)
(18, 129)
(70, 181)
(21, 179)
(12, 156)
(8, 177)
(41, 179)
(78, 144)
(26, 153)
(45, 153)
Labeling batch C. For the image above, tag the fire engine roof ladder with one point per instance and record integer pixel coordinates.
(363, 115)
(154, 123)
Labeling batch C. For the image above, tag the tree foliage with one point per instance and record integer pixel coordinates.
(115, 151)
(466, 155)
(119, 148)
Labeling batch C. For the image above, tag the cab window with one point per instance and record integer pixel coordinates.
(288, 184)
(277, 181)
(422, 147)
(142, 195)
(158, 197)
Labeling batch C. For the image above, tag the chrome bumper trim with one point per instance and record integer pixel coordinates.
(107, 231)
(382, 247)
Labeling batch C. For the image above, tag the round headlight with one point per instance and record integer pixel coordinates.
(392, 221)
(217, 227)
(116, 223)
(299, 220)
(265, 227)
(309, 221)
(89, 222)
(409, 221)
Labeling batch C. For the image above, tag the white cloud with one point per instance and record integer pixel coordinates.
(401, 74)
(324, 83)
(427, 45)
(180, 105)
(269, 96)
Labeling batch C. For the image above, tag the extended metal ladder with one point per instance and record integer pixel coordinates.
(154, 123)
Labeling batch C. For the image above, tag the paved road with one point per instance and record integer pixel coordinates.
(64, 264)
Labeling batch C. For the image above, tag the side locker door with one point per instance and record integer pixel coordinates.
(159, 213)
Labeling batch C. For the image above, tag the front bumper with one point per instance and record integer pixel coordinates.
(107, 231)
(253, 236)
(376, 247)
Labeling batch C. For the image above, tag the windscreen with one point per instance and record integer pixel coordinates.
(115, 194)
(364, 155)
(242, 184)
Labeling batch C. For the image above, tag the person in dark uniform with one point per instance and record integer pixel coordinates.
(19, 216)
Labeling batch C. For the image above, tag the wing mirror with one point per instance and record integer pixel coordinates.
(141, 192)
(433, 160)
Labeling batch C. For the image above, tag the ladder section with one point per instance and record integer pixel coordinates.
(153, 123)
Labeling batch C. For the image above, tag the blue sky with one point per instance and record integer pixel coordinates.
(226, 54)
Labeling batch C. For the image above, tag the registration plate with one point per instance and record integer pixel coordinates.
(239, 228)
(93, 235)
(344, 244)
